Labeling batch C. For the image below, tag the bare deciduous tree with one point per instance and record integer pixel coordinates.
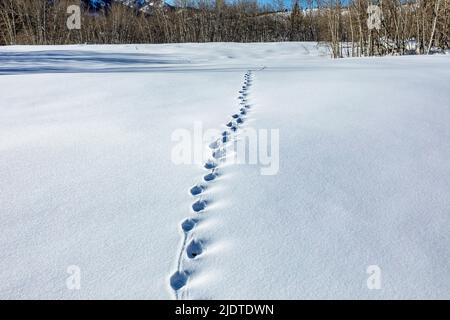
(408, 26)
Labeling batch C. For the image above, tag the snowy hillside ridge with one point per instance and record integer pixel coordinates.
(143, 5)
(94, 207)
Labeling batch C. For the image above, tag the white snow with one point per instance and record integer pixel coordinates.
(87, 179)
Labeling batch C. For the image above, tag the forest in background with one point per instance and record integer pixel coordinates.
(407, 27)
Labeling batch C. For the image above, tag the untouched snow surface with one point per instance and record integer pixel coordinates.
(87, 177)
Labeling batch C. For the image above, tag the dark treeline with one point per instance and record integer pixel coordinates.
(415, 26)
(42, 22)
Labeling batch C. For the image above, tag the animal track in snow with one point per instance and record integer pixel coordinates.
(210, 164)
(199, 205)
(192, 247)
(178, 280)
(197, 189)
(210, 177)
(224, 139)
(188, 224)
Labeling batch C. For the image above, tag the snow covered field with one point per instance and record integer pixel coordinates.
(88, 183)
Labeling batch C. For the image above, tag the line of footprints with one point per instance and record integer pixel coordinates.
(193, 247)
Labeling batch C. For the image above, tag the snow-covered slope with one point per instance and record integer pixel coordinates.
(87, 176)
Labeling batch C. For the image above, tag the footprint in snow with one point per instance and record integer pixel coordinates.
(194, 249)
(178, 280)
(197, 189)
(199, 205)
(188, 224)
(210, 177)
(224, 139)
(239, 121)
(210, 165)
(235, 116)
